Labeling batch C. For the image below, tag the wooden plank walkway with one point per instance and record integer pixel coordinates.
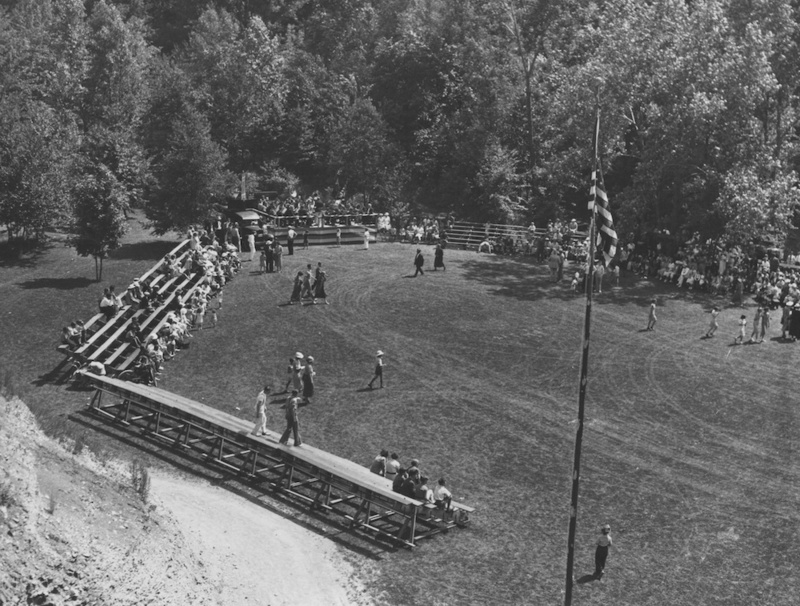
(312, 476)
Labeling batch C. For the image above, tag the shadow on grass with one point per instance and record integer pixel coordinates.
(283, 506)
(587, 578)
(151, 250)
(528, 280)
(57, 283)
(25, 255)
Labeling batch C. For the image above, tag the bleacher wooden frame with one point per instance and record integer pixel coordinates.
(318, 479)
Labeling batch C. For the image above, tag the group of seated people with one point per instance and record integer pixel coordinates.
(74, 335)
(216, 265)
(410, 481)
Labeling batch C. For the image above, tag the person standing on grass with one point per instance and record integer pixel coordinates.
(292, 422)
(308, 380)
(742, 330)
(262, 268)
(319, 287)
(651, 318)
(366, 238)
(601, 553)
(438, 258)
(764, 324)
(277, 254)
(306, 291)
(378, 369)
(338, 236)
(260, 428)
(297, 287)
(290, 236)
(297, 372)
(305, 239)
(419, 261)
(251, 244)
(756, 326)
(714, 325)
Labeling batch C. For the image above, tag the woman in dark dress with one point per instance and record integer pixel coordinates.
(308, 380)
(298, 285)
(319, 287)
(438, 258)
(794, 323)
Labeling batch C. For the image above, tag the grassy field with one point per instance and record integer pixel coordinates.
(690, 449)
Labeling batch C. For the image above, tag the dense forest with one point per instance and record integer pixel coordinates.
(483, 108)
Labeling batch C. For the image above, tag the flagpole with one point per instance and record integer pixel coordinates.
(587, 322)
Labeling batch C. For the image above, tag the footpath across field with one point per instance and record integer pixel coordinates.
(689, 450)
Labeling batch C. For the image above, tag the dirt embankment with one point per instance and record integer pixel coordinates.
(74, 531)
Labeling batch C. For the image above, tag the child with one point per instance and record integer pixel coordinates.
(338, 237)
(651, 319)
(198, 318)
(263, 267)
(219, 298)
(214, 318)
(714, 326)
(742, 329)
(576, 280)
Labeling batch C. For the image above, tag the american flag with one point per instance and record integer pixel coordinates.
(604, 223)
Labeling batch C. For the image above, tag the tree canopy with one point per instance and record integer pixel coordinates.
(484, 108)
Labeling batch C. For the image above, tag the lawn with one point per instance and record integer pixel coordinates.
(689, 451)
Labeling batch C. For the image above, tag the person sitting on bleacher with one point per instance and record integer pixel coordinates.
(408, 487)
(134, 293)
(144, 371)
(132, 336)
(69, 338)
(442, 496)
(423, 493)
(397, 483)
(107, 307)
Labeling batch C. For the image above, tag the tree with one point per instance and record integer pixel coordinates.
(99, 217)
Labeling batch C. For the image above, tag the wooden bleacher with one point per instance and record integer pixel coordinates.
(309, 475)
(106, 343)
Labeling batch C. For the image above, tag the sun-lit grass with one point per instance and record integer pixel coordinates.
(690, 449)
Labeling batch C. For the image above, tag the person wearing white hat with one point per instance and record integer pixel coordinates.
(378, 369)
(297, 381)
(601, 553)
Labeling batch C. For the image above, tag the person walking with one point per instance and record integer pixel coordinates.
(260, 428)
(308, 380)
(714, 325)
(601, 553)
(438, 258)
(419, 261)
(651, 318)
(319, 287)
(297, 372)
(292, 422)
(306, 291)
(290, 236)
(378, 369)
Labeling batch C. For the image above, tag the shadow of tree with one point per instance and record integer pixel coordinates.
(525, 279)
(57, 283)
(151, 250)
(12, 254)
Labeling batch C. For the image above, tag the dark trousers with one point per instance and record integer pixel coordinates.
(600, 555)
(291, 427)
(419, 271)
(290, 245)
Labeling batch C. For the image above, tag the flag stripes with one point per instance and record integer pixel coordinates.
(604, 223)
